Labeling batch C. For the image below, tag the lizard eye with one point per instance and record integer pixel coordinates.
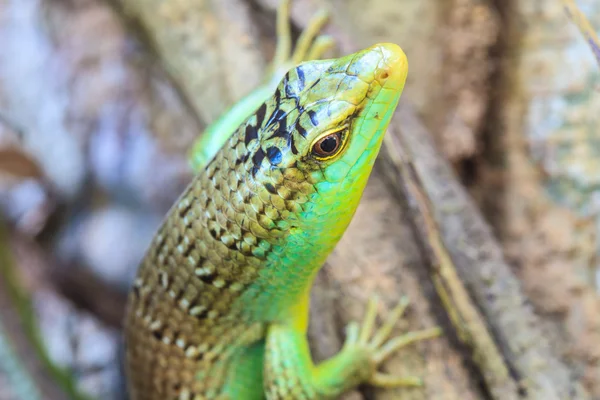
(328, 146)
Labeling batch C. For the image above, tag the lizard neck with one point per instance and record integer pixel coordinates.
(282, 288)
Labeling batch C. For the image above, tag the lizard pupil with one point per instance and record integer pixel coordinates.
(328, 145)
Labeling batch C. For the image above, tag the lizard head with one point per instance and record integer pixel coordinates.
(333, 113)
(321, 131)
(346, 114)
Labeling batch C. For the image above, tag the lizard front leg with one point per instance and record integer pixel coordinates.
(290, 373)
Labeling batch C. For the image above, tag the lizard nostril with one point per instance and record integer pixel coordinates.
(383, 75)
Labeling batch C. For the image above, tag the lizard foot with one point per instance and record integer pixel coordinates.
(310, 45)
(379, 347)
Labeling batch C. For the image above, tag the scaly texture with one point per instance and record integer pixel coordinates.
(223, 291)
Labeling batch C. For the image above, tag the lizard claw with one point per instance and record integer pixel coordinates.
(379, 346)
(309, 38)
(310, 46)
(369, 320)
(399, 342)
(386, 329)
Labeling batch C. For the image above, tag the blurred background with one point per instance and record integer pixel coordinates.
(100, 101)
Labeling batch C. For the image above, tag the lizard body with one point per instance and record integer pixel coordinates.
(219, 309)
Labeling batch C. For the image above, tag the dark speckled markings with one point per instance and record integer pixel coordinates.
(210, 248)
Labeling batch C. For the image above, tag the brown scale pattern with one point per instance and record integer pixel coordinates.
(182, 316)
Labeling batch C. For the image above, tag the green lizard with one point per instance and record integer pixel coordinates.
(219, 309)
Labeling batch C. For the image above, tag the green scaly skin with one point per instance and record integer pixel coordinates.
(220, 306)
